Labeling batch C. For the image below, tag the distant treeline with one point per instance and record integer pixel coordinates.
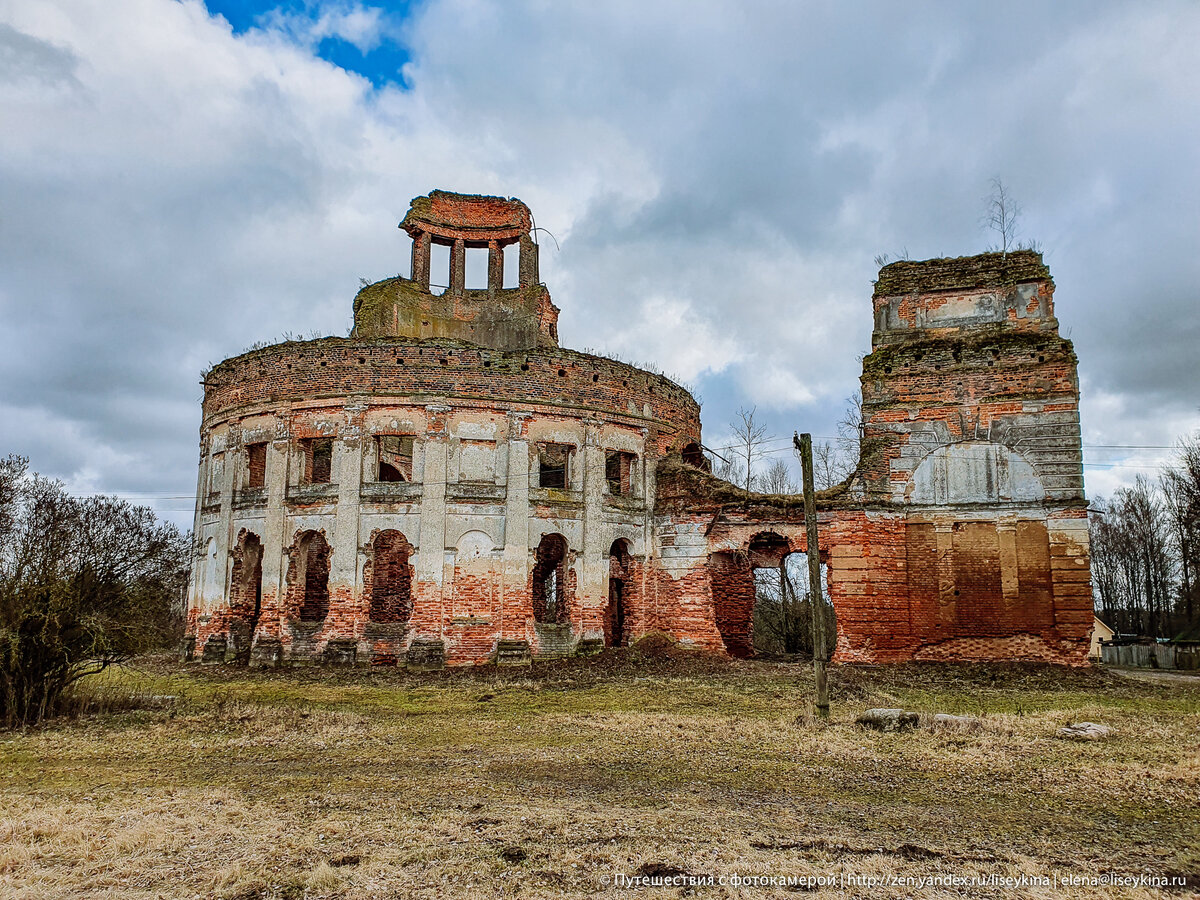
(1146, 551)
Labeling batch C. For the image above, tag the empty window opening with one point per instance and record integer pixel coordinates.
(391, 578)
(395, 457)
(318, 460)
(475, 269)
(310, 576)
(439, 268)
(694, 456)
(550, 604)
(784, 608)
(553, 465)
(618, 471)
(512, 265)
(256, 466)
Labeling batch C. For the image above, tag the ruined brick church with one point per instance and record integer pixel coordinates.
(448, 485)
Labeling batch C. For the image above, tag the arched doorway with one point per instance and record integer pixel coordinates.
(391, 578)
(783, 602)
(619, 583)
(245, 594)
(308, 577)
(549, 588)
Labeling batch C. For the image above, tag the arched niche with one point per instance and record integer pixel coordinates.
(973, 472)
(473, 545)
(390, 577)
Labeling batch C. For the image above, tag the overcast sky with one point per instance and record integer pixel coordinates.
(179, 180)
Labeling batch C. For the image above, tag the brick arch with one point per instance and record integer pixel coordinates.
(768, 548)
(633, 538)
(308, 577)
(623, 615)
(387, 577)
(552, 587)
(245, 592)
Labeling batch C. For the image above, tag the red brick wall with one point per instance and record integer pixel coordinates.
(465, 375)
(387, 578)
(732, 582)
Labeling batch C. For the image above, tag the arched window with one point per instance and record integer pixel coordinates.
(245, 581)
(549, 580)
(308, 576)
(391, 578)
(693, 455)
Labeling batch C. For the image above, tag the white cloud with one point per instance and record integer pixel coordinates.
(718, 182)
(667, 333)
(362, 26)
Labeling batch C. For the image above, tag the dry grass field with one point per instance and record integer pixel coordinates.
(560, 781)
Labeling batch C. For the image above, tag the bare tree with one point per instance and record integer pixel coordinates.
(1134, 566)
(749, 437)
(1180, 486)
(778, 479)
(1003, 211)
(829, 465)
(729, 469)
(783, 608)
(1145, 550)
(850, 434)
(84, 583)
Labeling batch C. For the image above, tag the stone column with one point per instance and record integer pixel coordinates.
(195, 582)
(274, 539)
(431, 546)
(344, 605)
(528, 261)
(592, 586)
(516, 609)
(233, 448)
(266, 648)
(1006, 533)
(649, 492)
(420, 259)
(458, 267)
(495, 267)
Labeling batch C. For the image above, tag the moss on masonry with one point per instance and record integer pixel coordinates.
(678, 481)
(961, 273)
(997, 337)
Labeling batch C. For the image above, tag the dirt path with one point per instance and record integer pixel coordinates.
(1190, 678)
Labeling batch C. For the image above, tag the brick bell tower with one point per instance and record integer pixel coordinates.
(515, 318)
(971, 426)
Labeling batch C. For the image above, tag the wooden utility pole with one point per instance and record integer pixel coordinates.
(803, 443)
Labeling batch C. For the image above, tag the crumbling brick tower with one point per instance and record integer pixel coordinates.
(446, 485)
(971, 425)
(962, 535)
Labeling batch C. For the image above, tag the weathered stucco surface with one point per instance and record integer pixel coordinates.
(450, 486)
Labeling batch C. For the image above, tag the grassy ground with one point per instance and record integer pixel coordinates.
(548, 782)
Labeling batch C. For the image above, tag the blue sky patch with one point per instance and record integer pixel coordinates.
(381, 63)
